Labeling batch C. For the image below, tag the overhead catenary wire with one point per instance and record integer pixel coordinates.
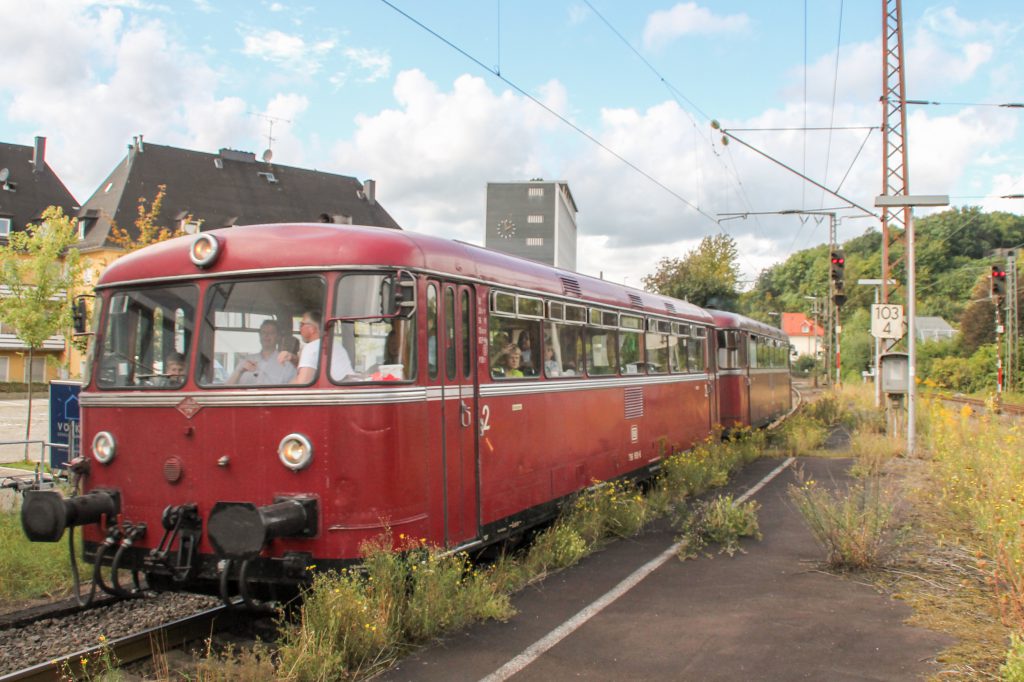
(557, 115)
(730, 167)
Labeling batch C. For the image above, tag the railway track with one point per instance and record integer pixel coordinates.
(134, 647)
(62, 643)
(1011, 409)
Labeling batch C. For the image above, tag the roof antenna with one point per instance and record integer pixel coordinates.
(271, 120)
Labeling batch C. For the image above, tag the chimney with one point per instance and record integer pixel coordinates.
(370, 191)
(140, 144)
(39, 155)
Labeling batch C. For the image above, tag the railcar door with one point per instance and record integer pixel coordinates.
(459, 398)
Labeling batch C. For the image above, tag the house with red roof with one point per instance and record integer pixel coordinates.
(806, 336)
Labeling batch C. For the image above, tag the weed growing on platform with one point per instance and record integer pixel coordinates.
(357, 622)
(720, 521)
(855, 527)
(873, 451)
(30, 569)
(802, 434)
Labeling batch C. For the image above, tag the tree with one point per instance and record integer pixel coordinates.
(148, 230)
(708, 276)
(40, 270)
(977, 322)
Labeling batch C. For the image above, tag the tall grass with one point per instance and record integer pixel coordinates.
(980, 463)
(30, 569)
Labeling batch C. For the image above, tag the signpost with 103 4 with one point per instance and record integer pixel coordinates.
(886, 321)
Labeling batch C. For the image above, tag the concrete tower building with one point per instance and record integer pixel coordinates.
(535, 220)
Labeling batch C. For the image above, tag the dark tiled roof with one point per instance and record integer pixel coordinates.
(223, 190)
(32, 192)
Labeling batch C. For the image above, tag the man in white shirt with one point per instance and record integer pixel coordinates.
(309, 358)
(265, 367)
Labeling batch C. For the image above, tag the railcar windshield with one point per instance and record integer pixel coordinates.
(147, 338)
(250, 330)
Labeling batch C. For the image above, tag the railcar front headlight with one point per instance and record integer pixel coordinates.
(104, 447)
(205, 250)
(295, 451)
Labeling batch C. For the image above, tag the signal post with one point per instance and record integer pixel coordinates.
(997, 290)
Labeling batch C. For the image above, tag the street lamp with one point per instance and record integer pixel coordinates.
(910, 201)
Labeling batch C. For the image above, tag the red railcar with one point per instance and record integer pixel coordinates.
(752, 360)
(457, 395)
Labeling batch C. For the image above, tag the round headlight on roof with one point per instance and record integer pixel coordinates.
(295, 451)
(205, 250)
(104, 447)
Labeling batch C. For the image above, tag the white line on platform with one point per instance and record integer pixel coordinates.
(538, 648)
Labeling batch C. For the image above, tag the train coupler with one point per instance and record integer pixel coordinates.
(240, 530)
(45, 514)
(176, 552)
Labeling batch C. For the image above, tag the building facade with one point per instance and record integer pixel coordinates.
(806, 336)
(28, 186)
(535, 220)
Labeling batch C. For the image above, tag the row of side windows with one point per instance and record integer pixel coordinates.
(739, 350)
(530, 337)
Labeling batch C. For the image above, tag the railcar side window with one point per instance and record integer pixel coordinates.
(449, 332)
(657, 346)
(432, 330)
(147, 338)
(563, 349)
(732, 349)
(602, 350)
(247, 326)
(368, 344)
(631, 351)
(695, 350)
(514, 336)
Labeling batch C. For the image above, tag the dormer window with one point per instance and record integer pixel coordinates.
(805, 329)
(83, 226)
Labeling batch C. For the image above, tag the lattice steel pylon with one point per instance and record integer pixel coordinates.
(1012, 363)
(895, 168)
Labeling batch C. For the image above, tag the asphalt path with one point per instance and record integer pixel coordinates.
(766, 614)
(13, 415)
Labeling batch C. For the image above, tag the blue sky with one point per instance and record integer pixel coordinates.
(357, 88)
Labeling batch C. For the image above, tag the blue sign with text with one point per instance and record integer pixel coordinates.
(65, 426)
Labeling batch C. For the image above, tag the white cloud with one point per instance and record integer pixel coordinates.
(689, 18)
(288, 50)
(375, 64)
(88, 80)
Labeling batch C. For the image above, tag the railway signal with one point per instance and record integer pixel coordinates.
(839, 296)
(998, 290)
(838, 263)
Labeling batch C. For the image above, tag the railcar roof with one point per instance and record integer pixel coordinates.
(727, 320)
(324, 246)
